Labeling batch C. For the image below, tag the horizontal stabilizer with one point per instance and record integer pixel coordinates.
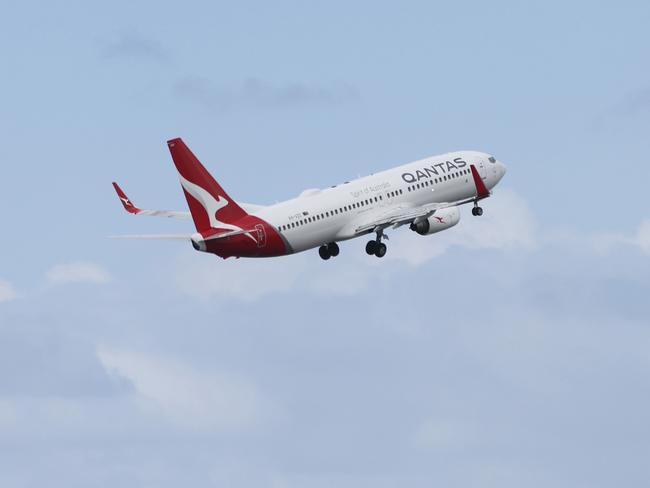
(158, 237)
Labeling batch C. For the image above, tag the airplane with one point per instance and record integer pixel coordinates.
(425, 195)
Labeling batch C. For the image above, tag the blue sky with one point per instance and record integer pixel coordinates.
(510, 350)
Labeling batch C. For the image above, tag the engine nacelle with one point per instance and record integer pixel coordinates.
(441, 220)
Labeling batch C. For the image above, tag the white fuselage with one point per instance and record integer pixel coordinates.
(317, 217)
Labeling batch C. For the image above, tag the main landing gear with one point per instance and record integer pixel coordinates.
(330, 250)
(477, 211)
(376, 247)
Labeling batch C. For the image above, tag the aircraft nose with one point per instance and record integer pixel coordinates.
(501, 169)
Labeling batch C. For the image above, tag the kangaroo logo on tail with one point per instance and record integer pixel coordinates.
(210, 204)
(204, 195)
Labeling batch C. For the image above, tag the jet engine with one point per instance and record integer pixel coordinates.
(440, 220)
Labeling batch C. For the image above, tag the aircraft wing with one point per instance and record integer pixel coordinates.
(399, 215)
(396, 217)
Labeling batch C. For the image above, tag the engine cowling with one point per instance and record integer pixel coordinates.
(441, 220)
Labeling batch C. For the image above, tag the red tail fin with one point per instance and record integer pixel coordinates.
(210, 205)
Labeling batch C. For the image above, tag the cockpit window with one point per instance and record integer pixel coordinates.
(492, 159)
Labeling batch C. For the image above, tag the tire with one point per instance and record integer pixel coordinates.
(479, 211)
(333, 249)
(474, 211)
(371, 247)
(324, 253)
(381, 250)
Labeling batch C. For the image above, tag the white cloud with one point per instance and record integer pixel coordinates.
(643, 236)
(7, 292)
(77, 272)
(245, 279)
(605, 242)
(444, 434)
(183, 395)
(507, 223)
(251, 279)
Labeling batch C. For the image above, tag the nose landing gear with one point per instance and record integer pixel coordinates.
(477, 211)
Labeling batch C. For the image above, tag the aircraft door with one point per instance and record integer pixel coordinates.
(261, 235)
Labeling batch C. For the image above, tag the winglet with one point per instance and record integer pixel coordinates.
(128, 206)
(481, 190)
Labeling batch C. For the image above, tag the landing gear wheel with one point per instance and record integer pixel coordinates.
(324, 252)
(477, 211)
(371, 248)
(380, 252)
(333, 249)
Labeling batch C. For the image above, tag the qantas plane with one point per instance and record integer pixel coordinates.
(425, 195)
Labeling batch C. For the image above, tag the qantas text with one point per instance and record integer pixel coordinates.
(434, 170)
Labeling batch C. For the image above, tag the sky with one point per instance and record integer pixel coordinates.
(511, 350)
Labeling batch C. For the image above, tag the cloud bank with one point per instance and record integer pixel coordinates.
(7, 292)
(77, 272)
(189, 398)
